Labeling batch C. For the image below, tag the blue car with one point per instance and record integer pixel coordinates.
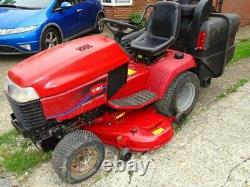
(29, 26)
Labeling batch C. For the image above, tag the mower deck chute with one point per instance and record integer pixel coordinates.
(140, 130)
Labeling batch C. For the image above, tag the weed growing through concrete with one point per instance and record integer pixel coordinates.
(232, 88)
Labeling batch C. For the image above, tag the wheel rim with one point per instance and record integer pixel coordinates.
(185, 97)
(84, 161)
(100, 23)
(51, 40)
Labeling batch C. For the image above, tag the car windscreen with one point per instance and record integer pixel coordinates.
(33, 4)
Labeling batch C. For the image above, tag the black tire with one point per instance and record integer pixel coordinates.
(125, 155)
(69, 148)
(168, 104)
(45, 35)
(99, 25)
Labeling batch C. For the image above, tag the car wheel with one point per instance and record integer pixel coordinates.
(181, 96)
(50, 38)
(99, 24)
(78, 156)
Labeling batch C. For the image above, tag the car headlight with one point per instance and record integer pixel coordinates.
(19, 94)
(17, 30)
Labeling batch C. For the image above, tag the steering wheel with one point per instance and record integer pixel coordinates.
(119, 28)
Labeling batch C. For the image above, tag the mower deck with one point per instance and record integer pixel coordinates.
(140, 130)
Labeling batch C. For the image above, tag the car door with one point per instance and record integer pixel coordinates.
(68, 19)
(87, 13)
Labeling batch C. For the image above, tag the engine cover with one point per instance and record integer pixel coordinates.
(69, 65)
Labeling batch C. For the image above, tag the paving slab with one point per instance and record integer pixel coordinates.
(244, 33)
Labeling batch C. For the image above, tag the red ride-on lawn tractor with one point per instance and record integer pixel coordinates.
(125, 93)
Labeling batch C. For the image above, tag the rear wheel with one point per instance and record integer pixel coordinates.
(78, 156)
(50, 38)
(181, 96)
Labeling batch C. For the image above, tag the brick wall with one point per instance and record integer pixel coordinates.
(122, 12)
(241, 7)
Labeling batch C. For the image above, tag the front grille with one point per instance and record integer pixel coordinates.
(8, 49)
(29, 114)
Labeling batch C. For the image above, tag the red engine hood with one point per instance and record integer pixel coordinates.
(68, 65)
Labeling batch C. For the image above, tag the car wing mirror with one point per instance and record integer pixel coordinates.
(64, 5)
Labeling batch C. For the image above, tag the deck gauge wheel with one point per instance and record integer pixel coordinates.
(125, 154)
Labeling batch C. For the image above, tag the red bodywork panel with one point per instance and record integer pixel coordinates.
(155, 78)
(76, 101)
(69, 65)
(139, 130)
(72, 79)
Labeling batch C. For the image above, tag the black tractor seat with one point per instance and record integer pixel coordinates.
(161, 30)
(150, 44)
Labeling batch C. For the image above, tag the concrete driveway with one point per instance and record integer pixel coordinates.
(213, 149)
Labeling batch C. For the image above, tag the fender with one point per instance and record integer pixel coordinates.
(163, 72)
(100, 12)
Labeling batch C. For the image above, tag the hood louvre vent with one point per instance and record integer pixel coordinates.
(84, 47)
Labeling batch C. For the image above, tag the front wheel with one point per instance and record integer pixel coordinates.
(99, 24)
(78, 156)
(50, 38)
(181, 96)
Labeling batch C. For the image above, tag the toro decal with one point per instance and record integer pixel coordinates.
(87, 96)
(97, 89)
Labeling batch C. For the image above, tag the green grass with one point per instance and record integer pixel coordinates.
(242, 51)
(232, 88)
(18, 155)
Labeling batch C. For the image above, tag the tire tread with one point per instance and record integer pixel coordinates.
(165, 105)
(66, 147)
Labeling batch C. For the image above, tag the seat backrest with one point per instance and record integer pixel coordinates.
(202, 11)
(164, 21)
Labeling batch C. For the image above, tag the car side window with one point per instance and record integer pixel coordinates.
(74, 2)
(58, 3)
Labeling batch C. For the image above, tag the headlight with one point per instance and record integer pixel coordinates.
(19, 94)
(17, 30)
